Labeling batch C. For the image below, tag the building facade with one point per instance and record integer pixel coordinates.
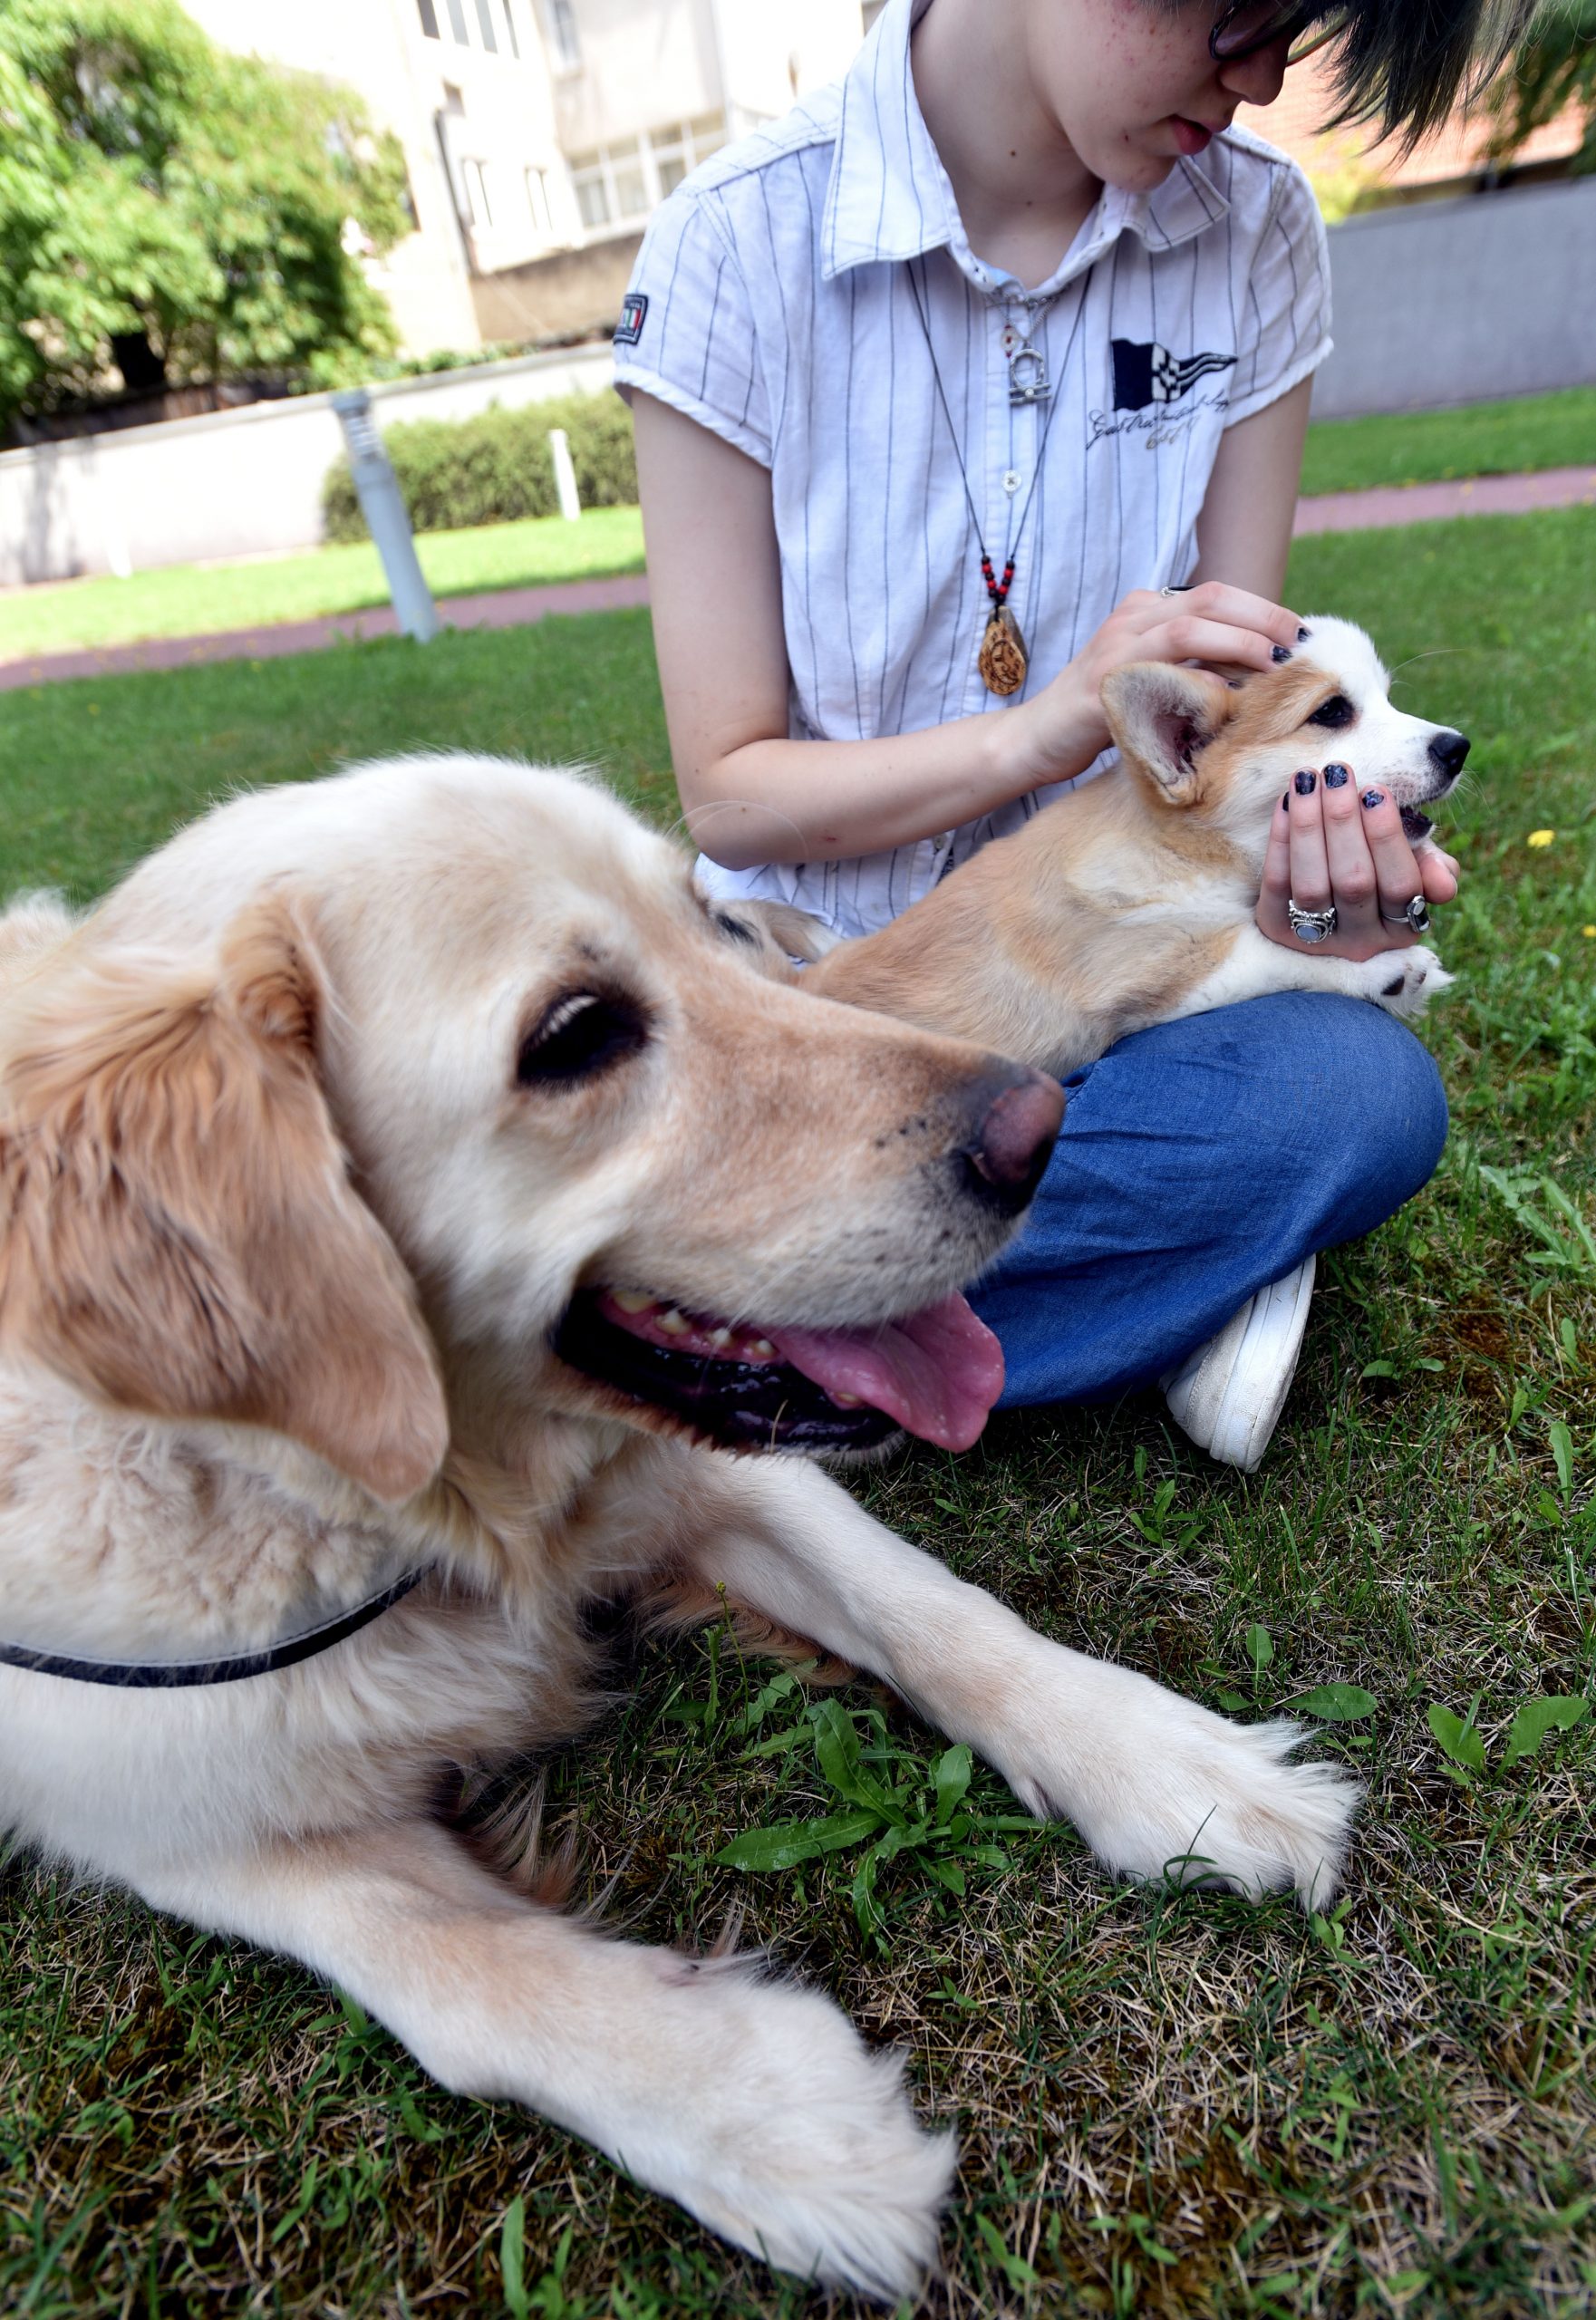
(539, 135)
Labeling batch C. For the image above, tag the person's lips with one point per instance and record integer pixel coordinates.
(1191, 136)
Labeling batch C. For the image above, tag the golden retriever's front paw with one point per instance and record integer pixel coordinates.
(1405, 982)
(790, 2137)
(1172, 1792)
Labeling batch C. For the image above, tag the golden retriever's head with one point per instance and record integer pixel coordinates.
(443, 1068)
(1226, 753)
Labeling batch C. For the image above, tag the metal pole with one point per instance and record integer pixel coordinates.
(565, 474)
(383, 505)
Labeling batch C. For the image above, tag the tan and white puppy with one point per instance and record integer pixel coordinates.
(409, 1171)
(1130, 901)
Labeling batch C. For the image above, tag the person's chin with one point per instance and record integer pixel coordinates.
(1136, 165)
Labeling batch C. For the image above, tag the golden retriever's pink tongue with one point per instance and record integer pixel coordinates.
(938, 1373)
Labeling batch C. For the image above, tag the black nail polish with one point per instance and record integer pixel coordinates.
(1372, 798)
(1302, 636)
(1303, 784)
(1285, 803)
(1335, 776)
(1278, 653)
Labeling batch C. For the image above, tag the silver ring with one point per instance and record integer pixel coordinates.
(1311, 925)
(1414, 914)
(1181, 589)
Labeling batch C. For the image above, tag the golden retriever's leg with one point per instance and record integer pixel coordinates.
(1154, 1782)
(751, 2101)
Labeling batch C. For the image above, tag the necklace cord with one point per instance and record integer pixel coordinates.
(996, 593)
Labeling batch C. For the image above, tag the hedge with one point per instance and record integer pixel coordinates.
(496, 467)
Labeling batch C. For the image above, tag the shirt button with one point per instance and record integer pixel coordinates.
(1012, 481)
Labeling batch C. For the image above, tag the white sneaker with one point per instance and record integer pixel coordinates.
(1228, 1395)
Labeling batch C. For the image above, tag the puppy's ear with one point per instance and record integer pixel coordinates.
(178, 1233)
(1162, 717)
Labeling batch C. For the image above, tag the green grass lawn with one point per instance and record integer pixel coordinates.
(1434, 446)
(195, 600)
(1167, 2105)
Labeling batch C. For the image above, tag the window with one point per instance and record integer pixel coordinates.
(625, 181)
(593, 200)
(560, 17)
(485, 18)
(509, 26)
(457, 21)
(474, 185)
(537, 201)
(428, 14)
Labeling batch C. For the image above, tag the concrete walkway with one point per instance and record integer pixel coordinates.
(1339, 511)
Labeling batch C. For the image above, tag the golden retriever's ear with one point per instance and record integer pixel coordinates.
(1161, 716)
(178, 1233)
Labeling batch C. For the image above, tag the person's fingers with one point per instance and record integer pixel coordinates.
(1311, 879)
(1277, 859)
(1351, 864)
(1186, 636)
(1215, 600)
(1441, 873)
(1397, 874)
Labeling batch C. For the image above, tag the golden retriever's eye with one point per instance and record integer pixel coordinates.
(1337, 711)
(581, 1033)
(735, 928)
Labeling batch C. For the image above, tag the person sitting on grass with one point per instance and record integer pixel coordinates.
(980, 375)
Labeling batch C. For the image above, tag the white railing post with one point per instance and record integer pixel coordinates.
(383, 505)
(565, 474)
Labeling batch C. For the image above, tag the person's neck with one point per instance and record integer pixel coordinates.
(1022, 190)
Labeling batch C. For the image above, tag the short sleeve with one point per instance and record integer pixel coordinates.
(686, 335)
(1284, 302)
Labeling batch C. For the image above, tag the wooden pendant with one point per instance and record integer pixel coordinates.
(1003, 661)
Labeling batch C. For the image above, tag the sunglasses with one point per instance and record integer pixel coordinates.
(1248, 25)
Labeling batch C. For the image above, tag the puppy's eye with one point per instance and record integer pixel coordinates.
(735, 928)
(584, 1032)
(1337, 711)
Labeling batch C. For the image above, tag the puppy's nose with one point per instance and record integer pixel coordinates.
(1020, 1112)
(1448, 752)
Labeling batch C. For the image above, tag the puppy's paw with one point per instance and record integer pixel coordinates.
(798, 2143)
(1405, 982)
(1170, 1791)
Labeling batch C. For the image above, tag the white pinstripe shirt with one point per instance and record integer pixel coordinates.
(773, 302)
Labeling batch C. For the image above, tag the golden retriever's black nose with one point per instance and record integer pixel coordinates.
(1019, 1128)
(1448, 752)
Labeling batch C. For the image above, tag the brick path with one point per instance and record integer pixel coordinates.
(504, 608)
(1339, 511)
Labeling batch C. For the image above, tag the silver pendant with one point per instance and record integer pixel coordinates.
(1028, 375)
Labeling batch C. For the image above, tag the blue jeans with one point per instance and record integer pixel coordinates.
(1198, 1161)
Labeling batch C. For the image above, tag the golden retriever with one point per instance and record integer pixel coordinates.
(409, 1172)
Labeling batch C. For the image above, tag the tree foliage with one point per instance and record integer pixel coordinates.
(1555, 67)
(175, 212)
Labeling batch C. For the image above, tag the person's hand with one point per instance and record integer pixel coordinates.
(1061, 730)
(1333, 842)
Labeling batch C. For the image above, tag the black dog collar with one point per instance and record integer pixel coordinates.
(150, 1676)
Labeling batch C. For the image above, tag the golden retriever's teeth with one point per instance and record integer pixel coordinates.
(630, 1300)
(675, 1324)
(719, 1337)
(761, 1350)
(847, 1401)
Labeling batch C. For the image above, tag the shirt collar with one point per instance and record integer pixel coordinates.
(889, 197)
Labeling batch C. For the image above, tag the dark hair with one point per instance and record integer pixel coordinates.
(1404, 64)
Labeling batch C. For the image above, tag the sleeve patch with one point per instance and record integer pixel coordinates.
(633, 314)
